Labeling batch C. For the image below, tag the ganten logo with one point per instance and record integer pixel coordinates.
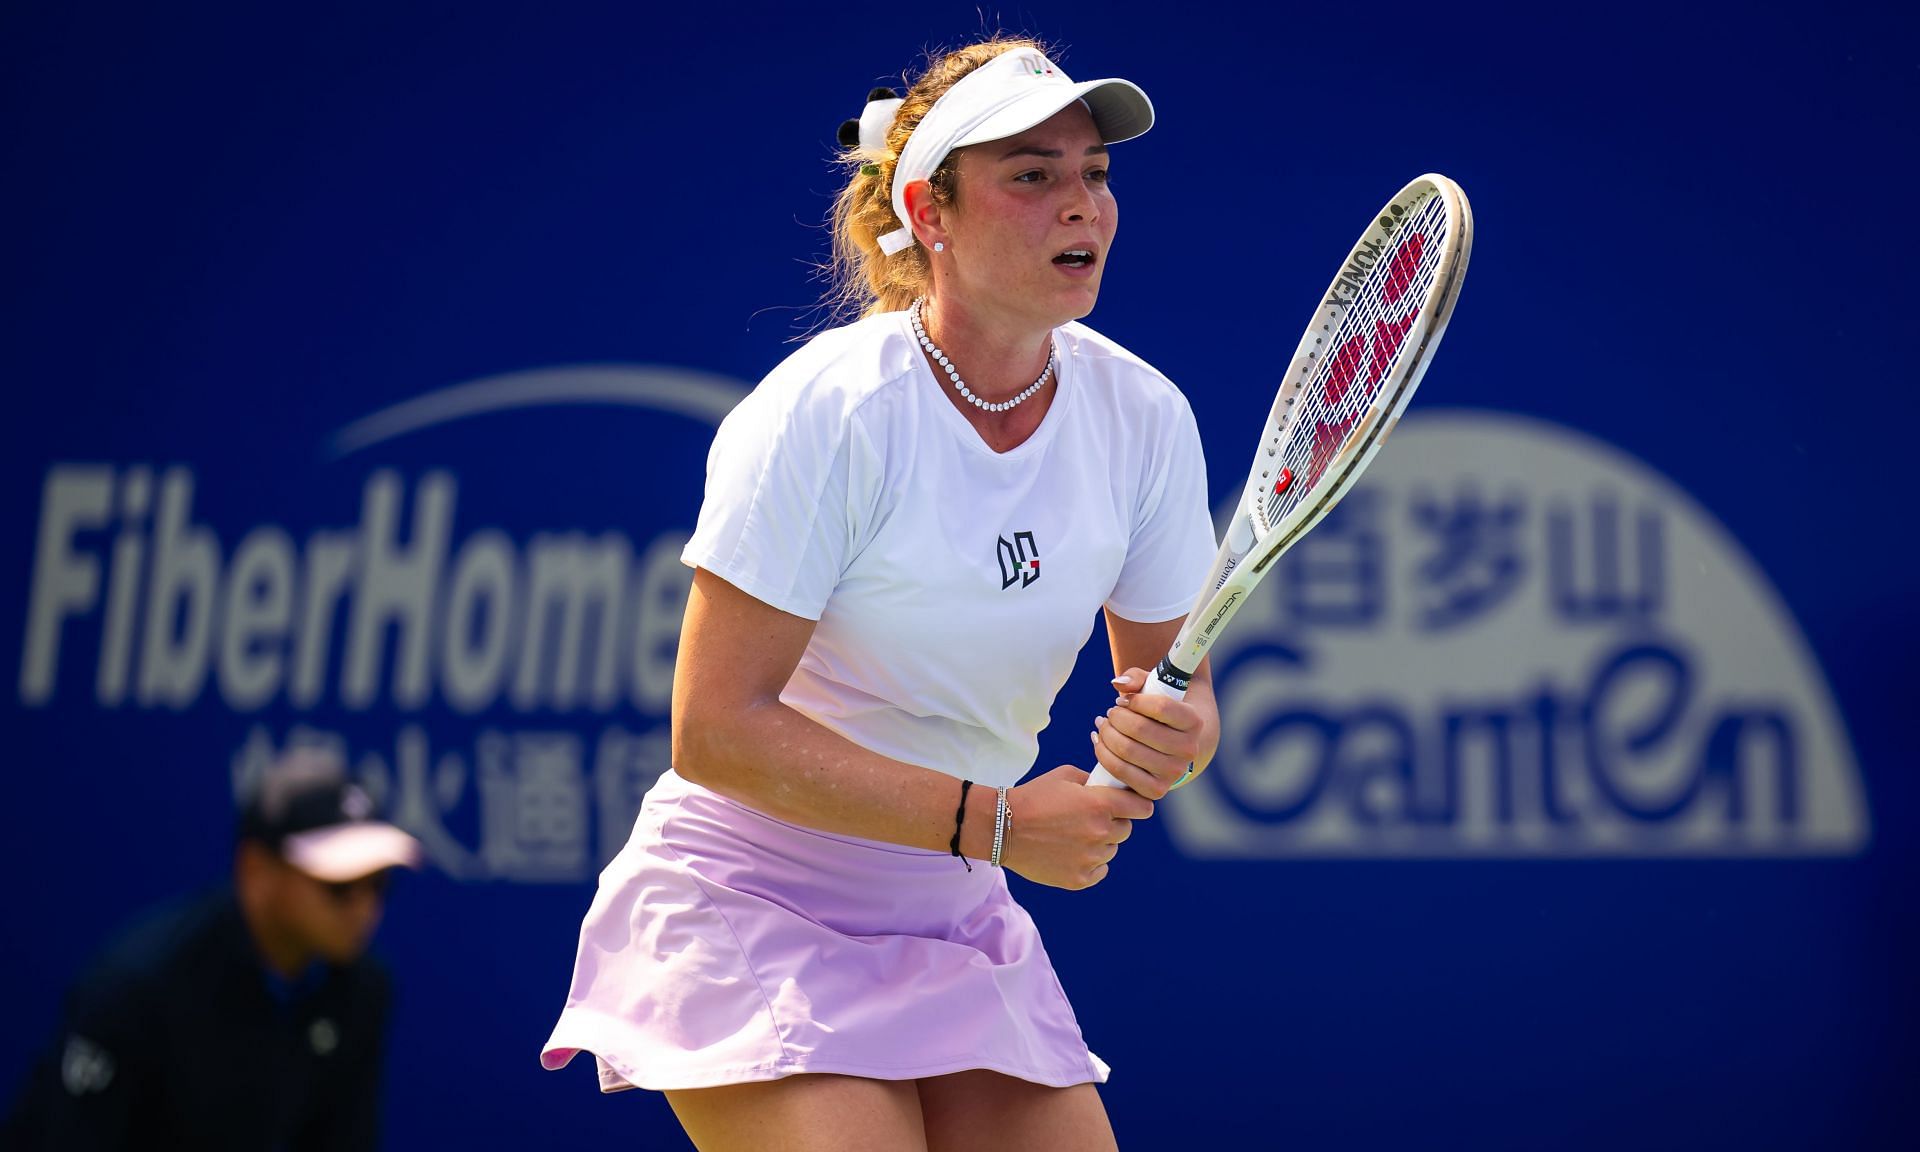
(1019, 560)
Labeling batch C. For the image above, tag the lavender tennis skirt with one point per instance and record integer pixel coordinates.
(726, 946)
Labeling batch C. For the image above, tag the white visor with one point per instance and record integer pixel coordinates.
(1004, 97)
(346, 852)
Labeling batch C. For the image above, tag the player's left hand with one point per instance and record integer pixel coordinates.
(1146, 741)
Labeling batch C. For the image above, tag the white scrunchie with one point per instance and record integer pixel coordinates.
(876, 120)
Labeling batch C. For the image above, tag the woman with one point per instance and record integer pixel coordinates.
(908, 530)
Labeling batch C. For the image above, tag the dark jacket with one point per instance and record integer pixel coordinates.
(177, 1037)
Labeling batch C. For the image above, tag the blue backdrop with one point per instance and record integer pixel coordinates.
(360, 367)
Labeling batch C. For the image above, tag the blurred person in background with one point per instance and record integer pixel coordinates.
(248, 1017)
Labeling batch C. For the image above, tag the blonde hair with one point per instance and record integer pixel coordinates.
(862, 280)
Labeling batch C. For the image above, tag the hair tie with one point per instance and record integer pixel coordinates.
(960, 818)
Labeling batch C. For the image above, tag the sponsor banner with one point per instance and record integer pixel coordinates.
(1515, 640)
(1511, 640)
(505, 690)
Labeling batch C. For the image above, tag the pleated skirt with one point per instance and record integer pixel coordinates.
(725, 946)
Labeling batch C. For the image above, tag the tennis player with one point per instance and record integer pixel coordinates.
(909, 530)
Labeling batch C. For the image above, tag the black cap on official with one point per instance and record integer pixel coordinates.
(305, 809)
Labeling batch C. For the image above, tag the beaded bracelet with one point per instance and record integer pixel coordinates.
(1002, 816)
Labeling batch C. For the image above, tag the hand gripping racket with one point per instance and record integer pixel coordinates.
(1369, 343)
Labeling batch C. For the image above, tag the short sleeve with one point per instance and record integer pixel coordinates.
(774, 519)
(1172, 542)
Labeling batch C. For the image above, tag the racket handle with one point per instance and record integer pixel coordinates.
(1166, 680)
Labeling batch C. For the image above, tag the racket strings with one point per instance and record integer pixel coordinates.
(1360, 356)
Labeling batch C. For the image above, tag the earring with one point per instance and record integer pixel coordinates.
(939, 246)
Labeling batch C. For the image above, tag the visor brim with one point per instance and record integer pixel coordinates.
(1121, 111)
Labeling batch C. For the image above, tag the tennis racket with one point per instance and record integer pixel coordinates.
(1369, 344)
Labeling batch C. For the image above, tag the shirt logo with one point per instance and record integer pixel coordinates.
(324, 1035)
(1019, 561)
(85, 1067)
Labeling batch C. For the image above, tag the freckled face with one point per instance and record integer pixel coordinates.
(1032, 222)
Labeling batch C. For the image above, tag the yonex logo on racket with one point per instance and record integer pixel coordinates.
(1019, 560)
(1391, 219)
(1355, 273)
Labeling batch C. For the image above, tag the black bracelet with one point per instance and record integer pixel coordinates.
(959, 818)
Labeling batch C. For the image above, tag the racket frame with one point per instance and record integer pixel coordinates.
(1246, 554)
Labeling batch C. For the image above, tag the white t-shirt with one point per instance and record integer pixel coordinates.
(953, 586)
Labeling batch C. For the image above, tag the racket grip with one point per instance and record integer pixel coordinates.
(1166, 680)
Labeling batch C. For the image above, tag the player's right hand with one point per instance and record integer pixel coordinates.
(1064, 834)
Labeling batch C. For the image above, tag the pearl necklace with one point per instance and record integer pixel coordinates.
(940, 358)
